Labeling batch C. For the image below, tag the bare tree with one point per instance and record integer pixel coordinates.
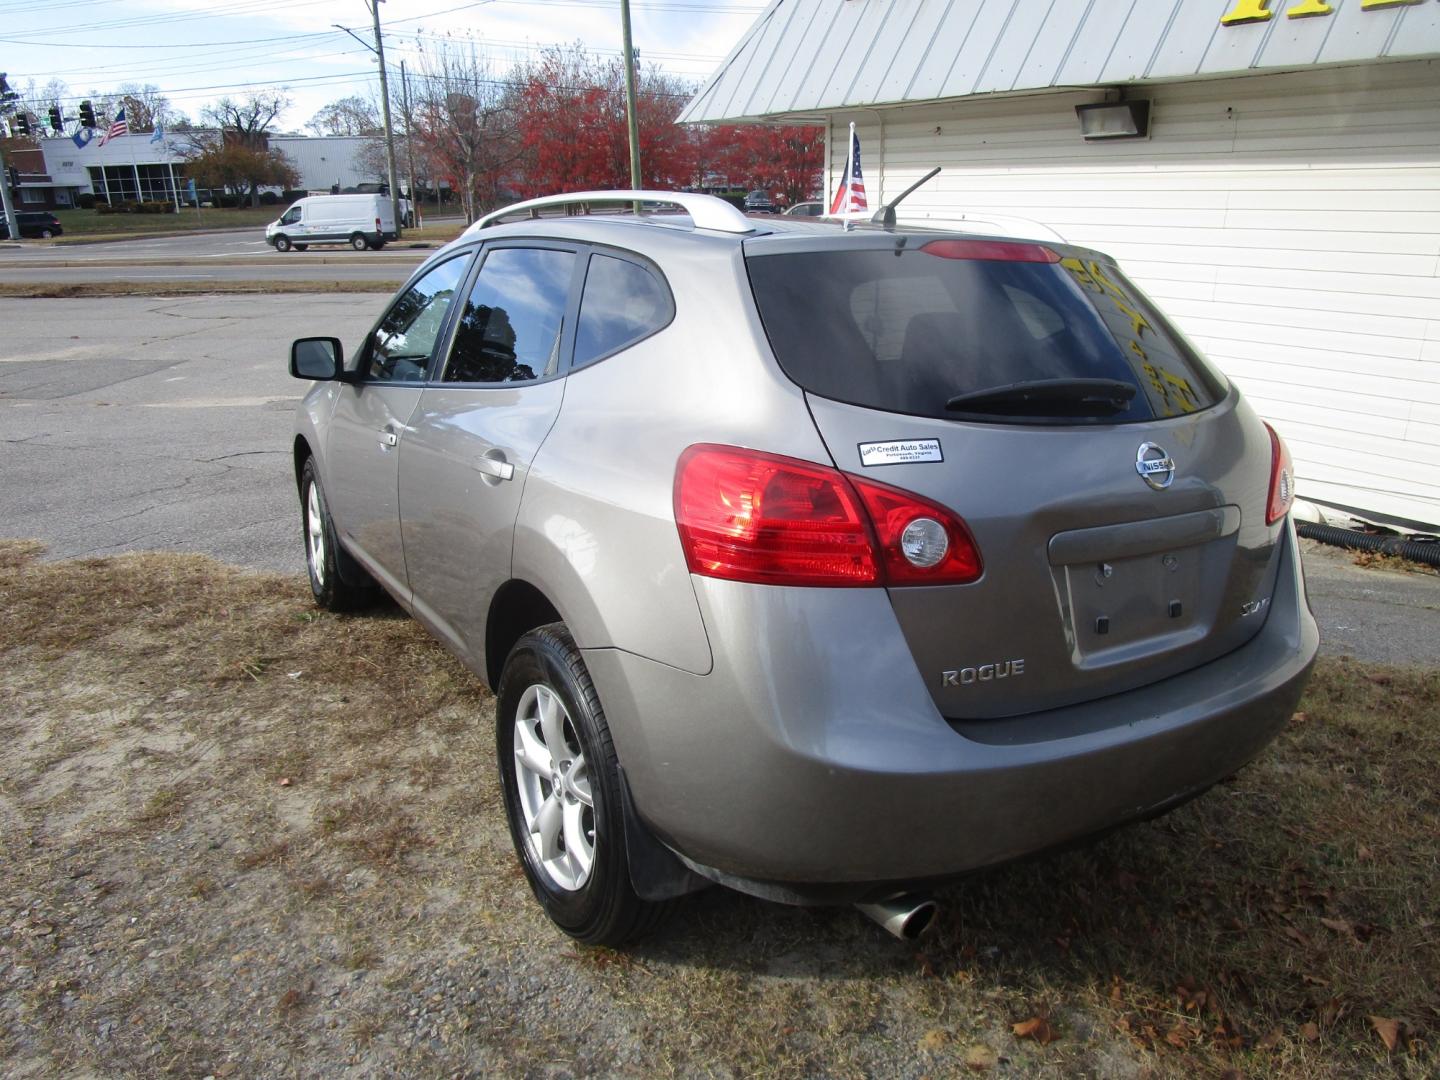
(146, 106)
(464, 125)
(247, 120)
(348, 116)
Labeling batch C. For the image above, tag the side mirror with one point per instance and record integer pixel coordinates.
(317, 358)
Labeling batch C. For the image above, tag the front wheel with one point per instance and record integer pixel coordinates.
(46, 234)
(282, 243)
(358, 242)
(337, 581)
(562, 792)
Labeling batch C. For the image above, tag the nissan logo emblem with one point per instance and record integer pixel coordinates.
(1155, 466)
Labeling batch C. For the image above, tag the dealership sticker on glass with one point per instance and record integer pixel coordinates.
(900, 452)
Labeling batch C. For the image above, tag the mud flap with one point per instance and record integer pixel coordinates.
(655, 871)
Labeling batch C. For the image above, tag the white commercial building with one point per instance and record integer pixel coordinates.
(1281, 199)
(116, 167)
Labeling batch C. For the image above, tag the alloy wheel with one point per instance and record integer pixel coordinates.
(554, 786)
(315, 534)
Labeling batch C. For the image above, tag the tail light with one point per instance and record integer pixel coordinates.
(377, 224)
(992, 250)
(744, 515)
(1282, 479)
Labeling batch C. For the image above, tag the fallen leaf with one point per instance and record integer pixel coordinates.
(1388, 1030)
(226, 1069)
(1037, 1028)
(1315, 980)
(1330, 1011)
(1299, 718)
(1364, 854)
(934, 1039)
(980, 1058)
(1271, 1041)
(1340, 926)
(1294, 934)
(1380, 680)
(1309, 1032)
(285, 781)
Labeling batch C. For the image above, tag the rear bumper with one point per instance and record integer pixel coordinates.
(818, 768)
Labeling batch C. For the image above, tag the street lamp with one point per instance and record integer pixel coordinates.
(379, 50)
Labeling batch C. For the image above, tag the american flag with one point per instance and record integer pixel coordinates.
(119, 127)
(850, 195)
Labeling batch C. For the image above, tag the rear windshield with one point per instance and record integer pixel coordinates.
(907, 330)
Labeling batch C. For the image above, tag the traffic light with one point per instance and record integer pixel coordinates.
(87, 114)
(57, 119)
(22, 125)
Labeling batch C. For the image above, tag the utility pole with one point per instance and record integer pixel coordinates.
(409, 143)
(12, 223)
(385, 110)
(630, 115)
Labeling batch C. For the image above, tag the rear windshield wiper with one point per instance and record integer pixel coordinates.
(1048, 397)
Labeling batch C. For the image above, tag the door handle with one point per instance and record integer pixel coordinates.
(388, 438)
(500, 470)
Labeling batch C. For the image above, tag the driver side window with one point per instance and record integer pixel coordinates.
(400, 347)
(290, 216)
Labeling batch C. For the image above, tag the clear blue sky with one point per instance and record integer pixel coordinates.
(199, 50)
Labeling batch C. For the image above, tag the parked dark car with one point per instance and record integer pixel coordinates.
(39, 224)
(759, 202)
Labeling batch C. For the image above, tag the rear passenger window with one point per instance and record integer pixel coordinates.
(511, 327)
(623, 302)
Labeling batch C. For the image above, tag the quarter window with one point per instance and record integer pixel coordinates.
(623, 302)
(511, 327)
(401, 345)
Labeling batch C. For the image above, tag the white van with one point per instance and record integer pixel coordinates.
(362, 221)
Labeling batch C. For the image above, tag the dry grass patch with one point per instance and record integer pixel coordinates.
(237, 832)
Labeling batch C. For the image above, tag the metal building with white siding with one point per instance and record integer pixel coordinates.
(1284, 206)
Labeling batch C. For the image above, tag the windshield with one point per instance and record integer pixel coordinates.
(912, 329)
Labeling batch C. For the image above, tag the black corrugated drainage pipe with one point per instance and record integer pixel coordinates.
(1421, 551)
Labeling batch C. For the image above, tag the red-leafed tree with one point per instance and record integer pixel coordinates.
(784, 161)
(570, 120)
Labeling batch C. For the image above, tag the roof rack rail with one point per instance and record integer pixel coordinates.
(706, 211)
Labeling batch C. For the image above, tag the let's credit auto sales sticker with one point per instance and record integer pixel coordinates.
(900, 452)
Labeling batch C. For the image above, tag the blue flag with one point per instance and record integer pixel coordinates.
(82, 138)
(159, 135)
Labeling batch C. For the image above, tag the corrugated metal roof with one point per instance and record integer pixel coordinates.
(807, 57)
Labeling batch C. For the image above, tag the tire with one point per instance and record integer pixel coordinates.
(377, 245)
(46, 234)
(584, 886)
(358, 242)
(302, 247)
(282, 243)
(337, 581)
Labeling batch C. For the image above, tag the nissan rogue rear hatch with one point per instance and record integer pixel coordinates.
(1115, 486)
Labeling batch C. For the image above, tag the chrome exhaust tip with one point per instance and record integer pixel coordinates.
(906, 915)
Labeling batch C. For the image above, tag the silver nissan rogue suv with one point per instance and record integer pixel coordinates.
(822, 562)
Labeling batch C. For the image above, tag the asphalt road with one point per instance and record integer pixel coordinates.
(219, 256)
(139, 423)
(133, 424)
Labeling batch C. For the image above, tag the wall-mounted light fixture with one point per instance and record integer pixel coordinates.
(1114, 119)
